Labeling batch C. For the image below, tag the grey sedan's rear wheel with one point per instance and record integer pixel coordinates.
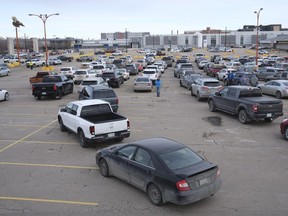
(242, 116)
(104, 168)
(212, 107)
(286, 133)
(155, 195)
(83, 141)
(278, 95)
(6, 96)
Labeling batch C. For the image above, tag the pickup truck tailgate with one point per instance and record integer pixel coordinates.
(111, 127)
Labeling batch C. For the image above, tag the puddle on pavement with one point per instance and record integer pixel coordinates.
(213, 120)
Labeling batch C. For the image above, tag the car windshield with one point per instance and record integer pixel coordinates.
(212, 84)
(180, 158)
(80, 72)
(108, 75)
(97, 67)
(142, 79)
(149, 72)
(65, 69)
(90, 82)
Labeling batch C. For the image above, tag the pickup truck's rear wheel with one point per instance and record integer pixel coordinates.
(104, 168)
(268, 119)
(59, 96)
(83, 141)
(39, 97)
(242, 116)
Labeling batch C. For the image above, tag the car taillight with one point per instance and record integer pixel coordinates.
(92, 130)
(55, 88)
(117, 101)
(182, 185)
(255, 108)
(204, 88)
(128, 124)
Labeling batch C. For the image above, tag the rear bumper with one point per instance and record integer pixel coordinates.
(111, 136)
(255, 116)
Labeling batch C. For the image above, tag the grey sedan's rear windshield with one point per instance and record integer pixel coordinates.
(180, 158)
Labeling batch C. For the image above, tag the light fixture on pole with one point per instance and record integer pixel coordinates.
(257, 35)
(44, 17)
(17, 24)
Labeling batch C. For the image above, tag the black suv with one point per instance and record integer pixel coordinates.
(113, 77)
(100, 92)
(168, 60)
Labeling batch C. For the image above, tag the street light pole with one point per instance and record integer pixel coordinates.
(257, 35)
(44, 17)
(126, 37)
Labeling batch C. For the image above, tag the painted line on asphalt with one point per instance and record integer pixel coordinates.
(24, 114)
(18, 125)
(48, 201)
(49, 165)
(14, 143)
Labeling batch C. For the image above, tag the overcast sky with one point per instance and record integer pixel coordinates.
(86, 19)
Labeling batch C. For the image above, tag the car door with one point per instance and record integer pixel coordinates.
(120, 162)
(142, 169)
(268, 88)
(220, 100)
(68, 116)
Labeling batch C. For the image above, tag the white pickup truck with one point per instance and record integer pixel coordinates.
(93, 121)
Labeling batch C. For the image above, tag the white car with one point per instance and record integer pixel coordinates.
(124, 73)
(151, 73)
(4, 71)
(203, 87)
(92, 81)
(4, 95)
(54, 61)
(82, 74)
(160, 66)
(223, 73)
(68, 71)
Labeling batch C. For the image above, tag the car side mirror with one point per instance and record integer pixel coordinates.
(63, 110)
(217, 94)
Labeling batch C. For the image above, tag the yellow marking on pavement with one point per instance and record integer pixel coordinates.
(48, 201)
(18, 125)
(37, 106)
(49, 165)
(14, 143)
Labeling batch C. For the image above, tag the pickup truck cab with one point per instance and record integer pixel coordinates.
(52, 86)
(247, 102)
(93, 121)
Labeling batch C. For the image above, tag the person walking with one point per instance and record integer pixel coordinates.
(31, 65)
(158, 85)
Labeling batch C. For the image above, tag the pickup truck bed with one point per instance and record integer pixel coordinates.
(104, 118)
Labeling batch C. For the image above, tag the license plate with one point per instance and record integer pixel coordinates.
(269, 114)
(111, 134)
(43, 93)
(203, 181)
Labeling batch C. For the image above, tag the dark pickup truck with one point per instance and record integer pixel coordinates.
(65, 58)
(52, 86)
(247, 102)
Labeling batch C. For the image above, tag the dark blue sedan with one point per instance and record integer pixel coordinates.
(166, 170)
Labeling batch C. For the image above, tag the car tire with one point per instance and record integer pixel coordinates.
(59, 96)
(8, 73)
(198, 97)
(6, 96)
(155, 195)
(253, 81)
(242, 116)
(83, 140)
(212, 106)
(181, 84)
(192, 94)
(62, 126)
(39, 97)
(104, 168)
(278, 95)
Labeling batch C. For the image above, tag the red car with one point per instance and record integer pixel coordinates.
(284, 128)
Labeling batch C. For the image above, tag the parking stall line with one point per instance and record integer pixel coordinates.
(14, 143)
(23, 126)
(49, 165)
(24, 114)
(48, 201)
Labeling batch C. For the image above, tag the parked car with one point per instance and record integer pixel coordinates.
(278, 76)
(264, 72)
(187, 80)
(131, 69)
(168, 171)
(243, 78)
(39, 77)
(142, 83)
(203, 87)
(99, 69)
(142, 62)
(233, 65)
(246, 102)
(101, 92)
(92, 81)
(68, 71)
(4, 95)
(120, 63)
(54, 61)
(113, 78)
(178, 71)
(223, 73)
(65, 58)
(277, 88)
(84, 59)
(202, 63)
(4, 71)
(152, 74)
(124, 73)
(81, 74)
(168, 60)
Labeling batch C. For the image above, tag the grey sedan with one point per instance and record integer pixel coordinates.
(142, 84)
(187, 80)
(4, 71)
(277, 88)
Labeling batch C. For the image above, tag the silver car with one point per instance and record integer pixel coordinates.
(203, 87)
(142, 83)
(4, 71)
(277, 88)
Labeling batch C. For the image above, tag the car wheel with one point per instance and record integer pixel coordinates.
(104, 168)
(6, 96)
(59, 95)
(83, 140)
(278, 95)
(212, 107)
(242, 116)
(286, 133)
(62, 126)
(192, 94)
(39, 97)
(8, 73)
(181, 84)
(253, 81)
(155, 195)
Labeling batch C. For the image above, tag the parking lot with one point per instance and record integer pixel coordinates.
(44, 171)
